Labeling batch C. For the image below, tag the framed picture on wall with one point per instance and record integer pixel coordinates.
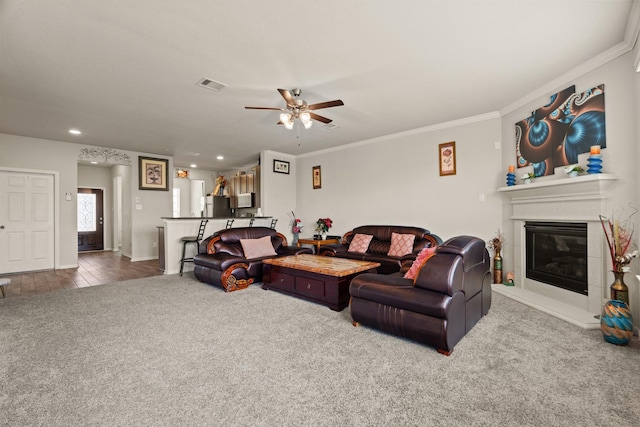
(153, 174)
(317, 177)
(447, 156)
(280, 166)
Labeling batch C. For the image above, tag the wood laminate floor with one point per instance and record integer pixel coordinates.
(95, 268)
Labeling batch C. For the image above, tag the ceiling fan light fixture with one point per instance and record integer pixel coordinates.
(285, 117)
(308, 124)
(305, 117)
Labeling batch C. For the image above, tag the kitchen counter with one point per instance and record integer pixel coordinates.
(175, 228)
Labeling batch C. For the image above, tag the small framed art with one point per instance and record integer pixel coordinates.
(280, 166)
(447, 156)
(316, 177)
(153, 174)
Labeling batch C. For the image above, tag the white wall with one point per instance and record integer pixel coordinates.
(396, 180)
(621, 156)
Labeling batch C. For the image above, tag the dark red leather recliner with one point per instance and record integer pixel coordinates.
(452, 292)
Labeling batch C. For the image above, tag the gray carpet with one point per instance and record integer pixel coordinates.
(172, 351)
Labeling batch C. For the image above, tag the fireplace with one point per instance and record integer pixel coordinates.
(573, 205)
(556, 254)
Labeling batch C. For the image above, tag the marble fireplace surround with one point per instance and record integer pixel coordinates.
(580, 199)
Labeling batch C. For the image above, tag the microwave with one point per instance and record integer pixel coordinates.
(245, 200)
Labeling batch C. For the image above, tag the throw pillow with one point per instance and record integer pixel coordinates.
(422, 257)
(401, 244)
(360, 243)
(257, 248)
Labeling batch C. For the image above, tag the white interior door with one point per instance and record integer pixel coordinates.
(26, 222)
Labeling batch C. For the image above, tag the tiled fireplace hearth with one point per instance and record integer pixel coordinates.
(574, 200)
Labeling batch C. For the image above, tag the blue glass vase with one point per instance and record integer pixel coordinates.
(511, 179)
(594, 164)
(616, 322)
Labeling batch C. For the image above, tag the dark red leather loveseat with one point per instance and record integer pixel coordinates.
(451, 293)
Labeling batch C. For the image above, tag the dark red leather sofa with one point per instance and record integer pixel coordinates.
(380, 244)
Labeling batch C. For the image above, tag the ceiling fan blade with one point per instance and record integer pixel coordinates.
(314, 116)
(265, 108)
(336, 103)
(287, 96)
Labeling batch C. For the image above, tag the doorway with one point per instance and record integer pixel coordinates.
(90, 219)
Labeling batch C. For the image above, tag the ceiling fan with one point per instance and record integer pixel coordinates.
(299, 109)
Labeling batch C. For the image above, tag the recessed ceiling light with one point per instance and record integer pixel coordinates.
(220, 157)
(193, 165)
(74, 131)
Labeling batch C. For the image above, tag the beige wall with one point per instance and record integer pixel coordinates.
(17, 152)
(396, 180)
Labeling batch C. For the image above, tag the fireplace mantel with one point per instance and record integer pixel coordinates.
(579, 199)
(580, 186)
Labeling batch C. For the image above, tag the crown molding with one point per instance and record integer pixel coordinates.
(418, 131)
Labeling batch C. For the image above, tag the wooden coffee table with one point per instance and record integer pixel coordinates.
(316, 278)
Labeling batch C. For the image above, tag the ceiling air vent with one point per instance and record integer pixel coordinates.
(211, 84)
(330, 126)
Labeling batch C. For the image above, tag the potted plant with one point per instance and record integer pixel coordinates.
(322, 226)
(526, 178)
(573, 170)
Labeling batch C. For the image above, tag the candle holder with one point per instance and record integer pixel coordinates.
(511, 179)
(594, 163)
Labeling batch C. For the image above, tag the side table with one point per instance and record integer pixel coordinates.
(316, 243)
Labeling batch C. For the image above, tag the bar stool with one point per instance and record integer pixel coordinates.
(273, 223)
(229, 223)
(192, 239)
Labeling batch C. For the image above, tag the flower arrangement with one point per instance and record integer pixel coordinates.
(573, 168)
(495, 244)
(527, 176)
(323, 225)
(619, 236)
(296, 224)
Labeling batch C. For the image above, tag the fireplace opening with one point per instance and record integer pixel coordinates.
(556, 254)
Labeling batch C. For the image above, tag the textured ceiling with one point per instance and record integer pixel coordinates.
(125, 72)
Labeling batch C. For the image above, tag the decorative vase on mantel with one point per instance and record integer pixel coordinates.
(616, 323)
(619, 290)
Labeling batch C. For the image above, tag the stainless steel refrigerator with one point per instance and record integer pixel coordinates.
(217, 207)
